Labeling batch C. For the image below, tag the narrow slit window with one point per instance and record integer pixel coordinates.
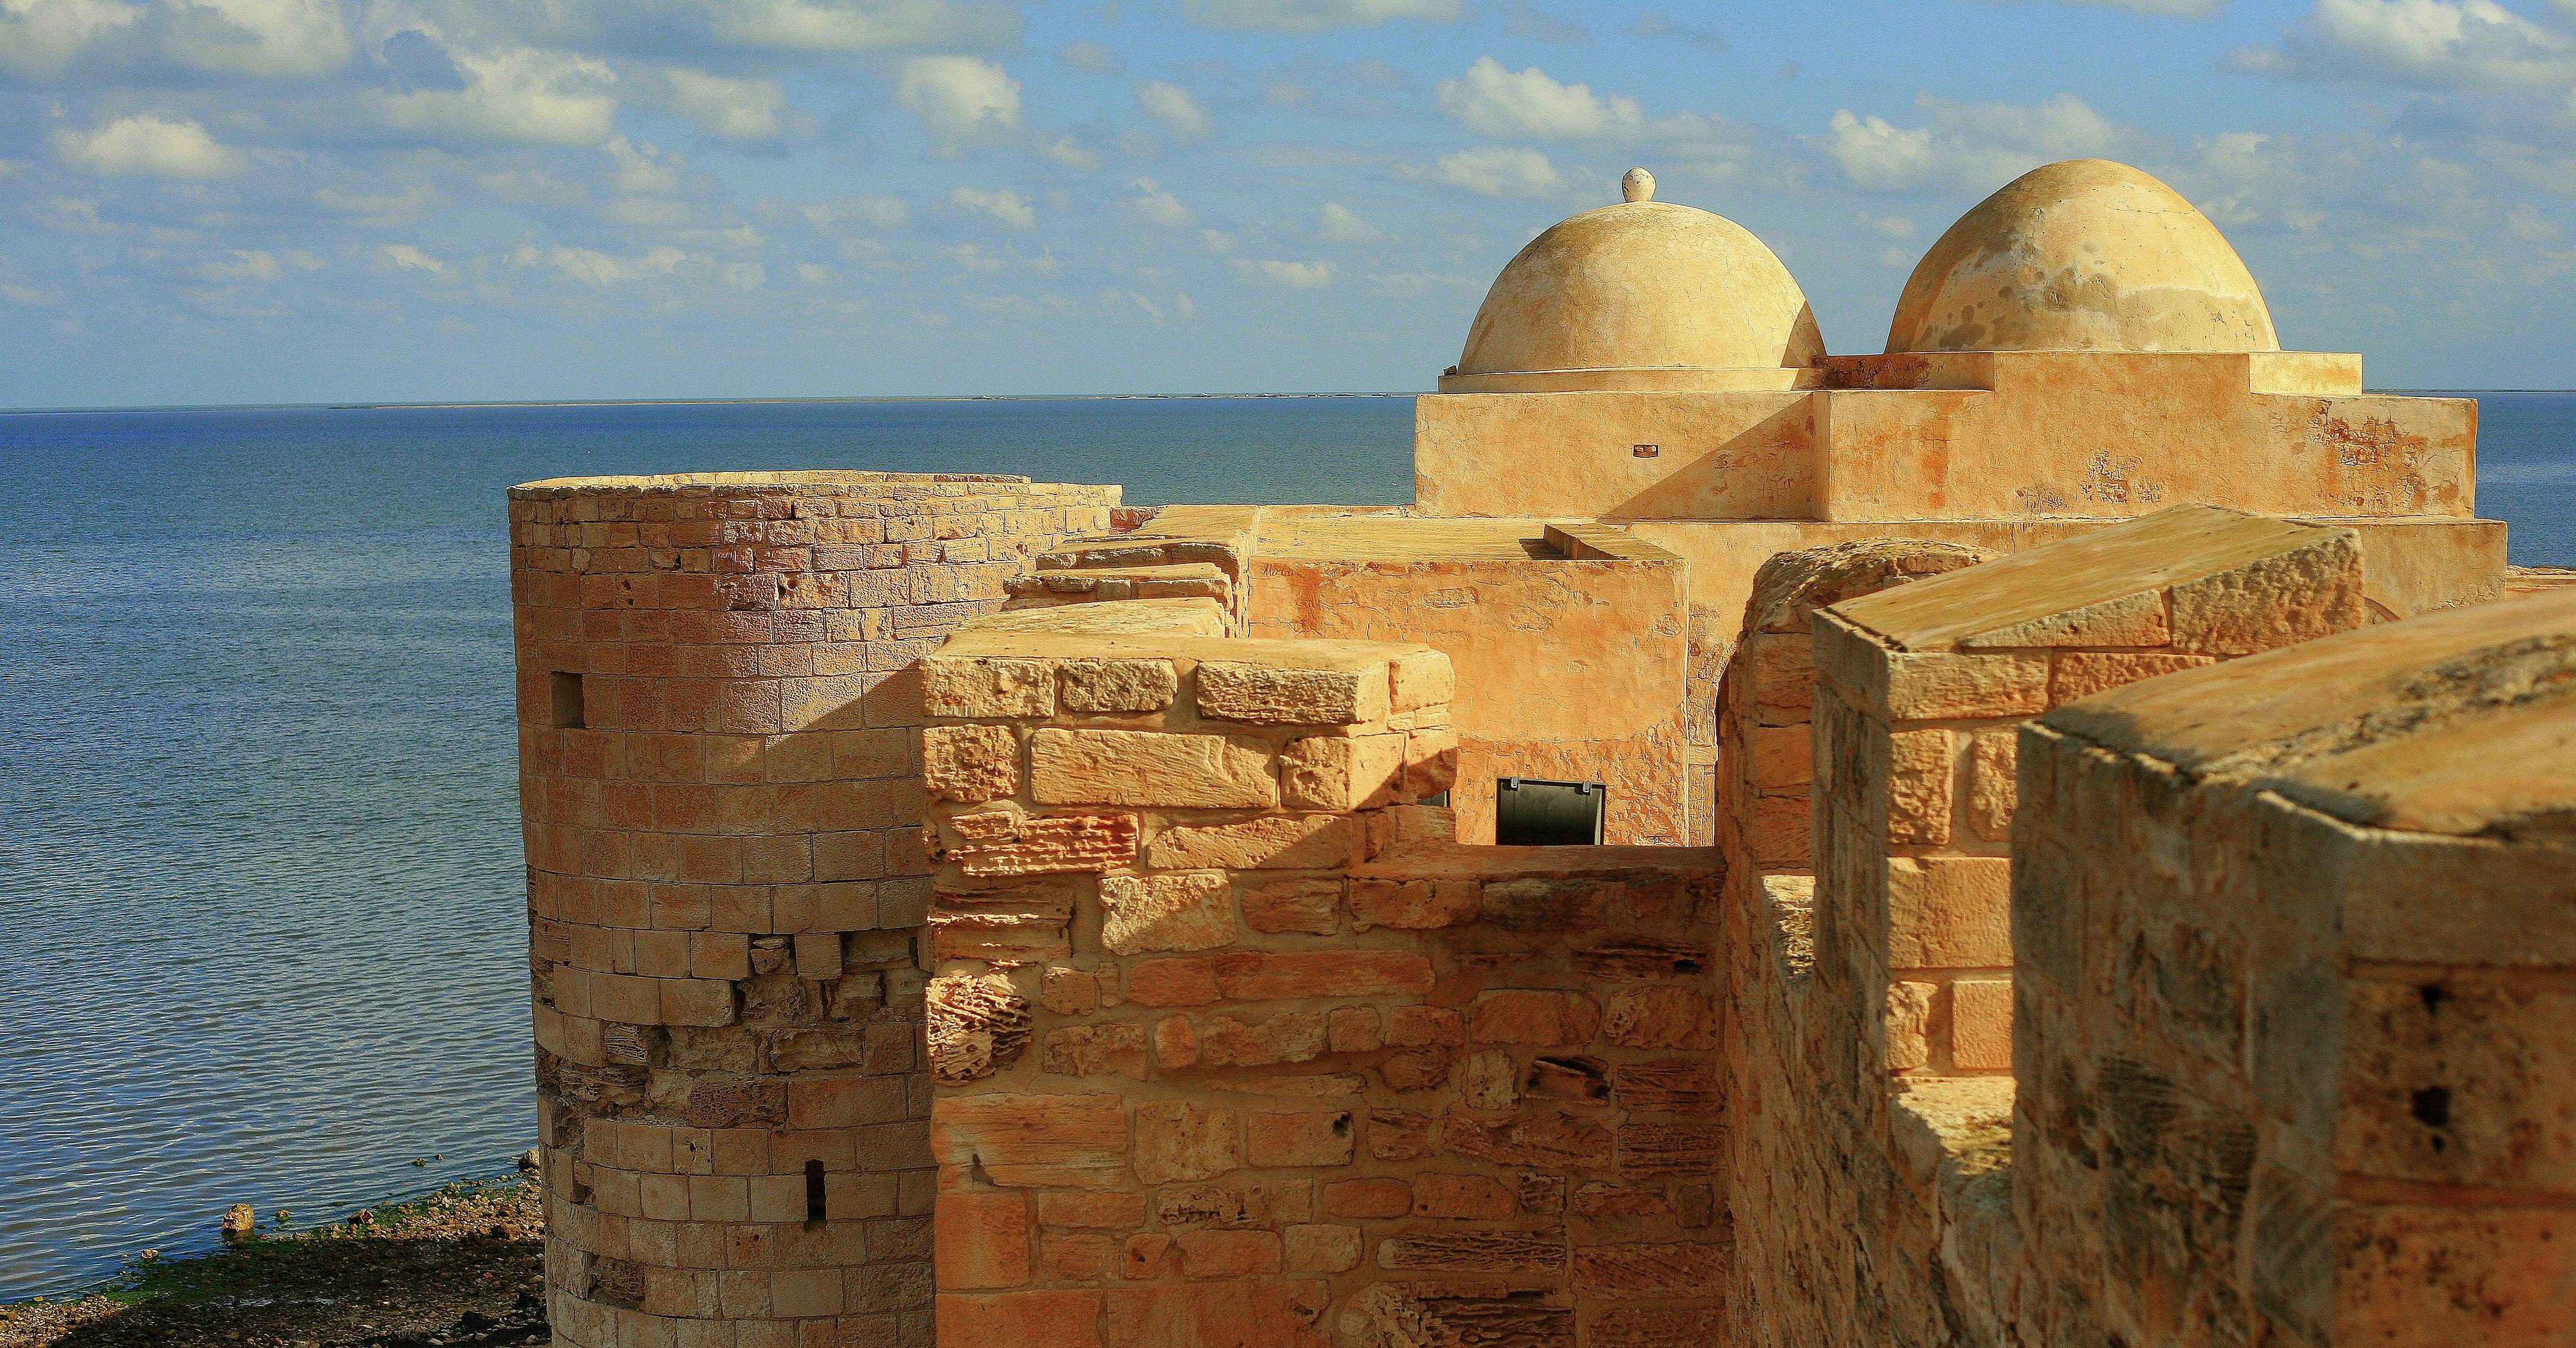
(1529, 812)
(813, 1191)
(567, 699)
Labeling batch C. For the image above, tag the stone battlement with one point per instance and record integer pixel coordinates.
(2054, 834)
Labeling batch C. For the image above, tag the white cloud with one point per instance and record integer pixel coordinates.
(1154, 206)
(40, 37)
(960, 100)
(1658, 24)
(513, 94)
(1316, 16)
(1173, 106)
(597, 269)
(857, 25)
(1072, 154)
(1497, 171)
(151, 145)
(408, 257)
(1492, 101)
(1090, 58)
(2429, 42)
(1967, 146)
(1340, 224)
(259, 38)
(1295, 275)
(723, 106)
(245, 266)
(829, 217)
(1891, 226)
(1009, 207)
(645, 168)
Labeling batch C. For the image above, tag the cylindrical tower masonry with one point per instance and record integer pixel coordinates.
(719, 777)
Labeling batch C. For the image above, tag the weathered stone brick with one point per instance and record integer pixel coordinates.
(1090, 1211)
(1981, 1024)
(1177, 1140)
(1415, 905)
(1040, 843)
(1424, 1026)
(1301, 1139)
(1991, 792)
(1176, 1042)
(989, 686)
(982, 1239)
(1311, 1247)
(1096, 1050)
(1646, 1271)
(1119, 685)
(1274, 842)
(1464, 1197)
(1353, 1029)
(1305, 905)
(1919, 787)
(1657, 1017)
(1421, 679)
(1238, 691)
(1538, 1138)
(1253, 976)
(1400, 1134)
(1342, 773)
(1034, 1141)
(2080, 674)
(1949, 912)
(1150, 768)
(1474, 1252)
(1369, 1199)
(1022, 1319)
(1909, 1022)
(1290, 1037)
(1172, 982)
(1228, 1254)
(1691, 1147)
(1529, 1016)
(970, 763)
(1142, 914)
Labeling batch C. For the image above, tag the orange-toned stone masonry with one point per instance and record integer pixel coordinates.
(719, 714)
(977, 912)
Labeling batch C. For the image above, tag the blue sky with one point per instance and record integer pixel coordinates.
(312, 200)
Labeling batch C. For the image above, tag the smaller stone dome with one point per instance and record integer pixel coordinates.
(2084, 255)
(1642, 294)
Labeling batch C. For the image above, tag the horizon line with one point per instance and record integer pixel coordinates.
(757, 401)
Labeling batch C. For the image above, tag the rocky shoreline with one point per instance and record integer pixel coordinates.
(461, 1268)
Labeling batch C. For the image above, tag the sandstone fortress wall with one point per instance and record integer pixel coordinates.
(2085, 852)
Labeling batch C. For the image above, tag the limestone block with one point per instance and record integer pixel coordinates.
(1421, 679)
(1529, 1016)
(1150, 768)
(1254, 976)
(1938, 686)
(1343, 772)
(1274, 842)
(2274, 601)
(1143, 914)
(1991, 789)
(1487, 1252)
(1949, 912)
(1782, 678)
(1782, 756)
(1116, 1049)
(1227, 1254)
(1240, 691)
(1176, 1042)
(1119, 685)
(1414, 905)
(1464, 1198)
(1314, 1247)
(1648, 1270)
(1661, 1016)
(970, 763)
(2130, 620)
(2081, 674)
(1300, 1139)
(1033, 1141)
(2464, 1084)
(980, 1240)
(1909, 1022)
(1981, 1024)
(1919, 787)
(1312, 906)
(1231, 1041)
(987, 686)
(1177, 1140)
(1353, 1029)
(1182, 981)
(1648, 1148)
(977, 1026)
(1017, 844)
(1090, 1211)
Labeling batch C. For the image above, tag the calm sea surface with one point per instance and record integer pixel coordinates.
(261, 928)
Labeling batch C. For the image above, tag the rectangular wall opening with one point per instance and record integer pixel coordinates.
(1530, 812)
(567, 700)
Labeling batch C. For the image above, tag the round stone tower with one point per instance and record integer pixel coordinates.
(718, 762)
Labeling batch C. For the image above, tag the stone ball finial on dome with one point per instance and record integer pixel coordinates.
(1642, 294)
(2083, 255)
